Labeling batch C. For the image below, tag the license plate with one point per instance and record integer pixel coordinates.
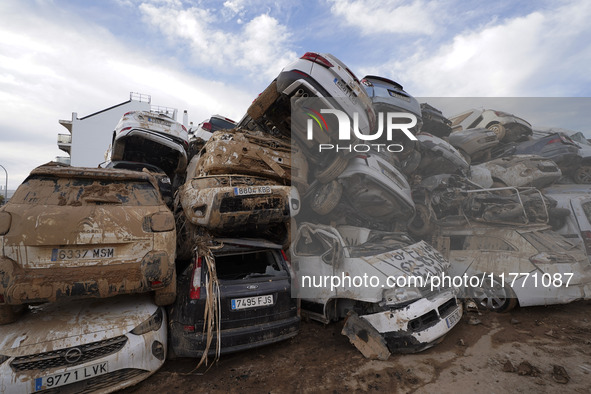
(244, 191)
(452, 319)
(252, 302)
(399, 96)
(71, 376)
(82, 254)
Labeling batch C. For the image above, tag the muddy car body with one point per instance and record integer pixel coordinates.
(151, 138)
(523, 170)
(409, 318)
(376, 190)
(507, 127)
(582, 174)
(474, 144)
(236, 204)
(255, 303)
(557, 147)
(513, 262)
(209, 126)
(251, 153)
(439, 156)
(97, 346)
(86, 232)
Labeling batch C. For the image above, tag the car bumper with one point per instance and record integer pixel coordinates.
(223, 208)
(20, 286)
(192, 344)
(131, 364)
(420, 325)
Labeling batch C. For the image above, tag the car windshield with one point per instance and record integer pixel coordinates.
(48, 190)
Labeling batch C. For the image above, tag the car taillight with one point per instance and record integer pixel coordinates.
(128, 113)
(124, 129)
(195, 291)
(5, 221)
(162, 221)
(587, 241)
(206, 126)
(316, 58)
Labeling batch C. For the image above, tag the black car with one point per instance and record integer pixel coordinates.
(557, 147)
(255, 303)
(163, 180)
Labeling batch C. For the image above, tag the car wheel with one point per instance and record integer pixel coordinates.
(582, 175)
(166, 295)
(262, 103)
(333, 170)
(421, 223)
(557, 217)
(326, 197)
(498, 129)
(7, 314)
(494, 295)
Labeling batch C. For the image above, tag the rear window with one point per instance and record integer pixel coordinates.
(248, 265)
(220, 124)
(47, 190)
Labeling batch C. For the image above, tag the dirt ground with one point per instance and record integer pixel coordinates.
(534, 349)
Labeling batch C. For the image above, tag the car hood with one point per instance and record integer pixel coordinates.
(65, 324)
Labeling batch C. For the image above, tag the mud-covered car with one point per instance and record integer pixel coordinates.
(83, 346)
(516, 265)
(507, 127)
(152, 138)
(522, 170)
(474, 144)
(254, 298)
(237, 204)
(86, 232)
(409, 318)
(206, 128)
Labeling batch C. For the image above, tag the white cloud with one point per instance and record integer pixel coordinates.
(539, 54)
(260, 47)
(388, 16)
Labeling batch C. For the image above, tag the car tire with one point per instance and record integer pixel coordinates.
(7, 314)
(263, 102)
(333, 170)
(498, 129)
(494, 295)
(166, 295)
(582, 175)
(326, 197)
(557, 217)
(421, 224)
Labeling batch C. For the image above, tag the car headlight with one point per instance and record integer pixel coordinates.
(401, 294)
(152, 324)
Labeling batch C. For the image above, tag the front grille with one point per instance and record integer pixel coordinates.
(97, 383)
(255, 203)
(422, 322)
(57, 358)
(447, 308)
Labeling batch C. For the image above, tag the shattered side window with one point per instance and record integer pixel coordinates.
(478, 242)
(310, 244)
(248, 265)
(48, 190)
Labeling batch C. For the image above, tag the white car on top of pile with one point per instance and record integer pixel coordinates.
(85, 345)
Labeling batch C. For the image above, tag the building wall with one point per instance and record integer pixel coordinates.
(91, 135)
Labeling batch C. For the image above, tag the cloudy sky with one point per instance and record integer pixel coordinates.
(215, 56)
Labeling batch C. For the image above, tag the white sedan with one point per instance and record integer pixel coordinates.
(83, 345)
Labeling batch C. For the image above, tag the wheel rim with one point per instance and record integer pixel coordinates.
(498, 129)
(494, 298)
